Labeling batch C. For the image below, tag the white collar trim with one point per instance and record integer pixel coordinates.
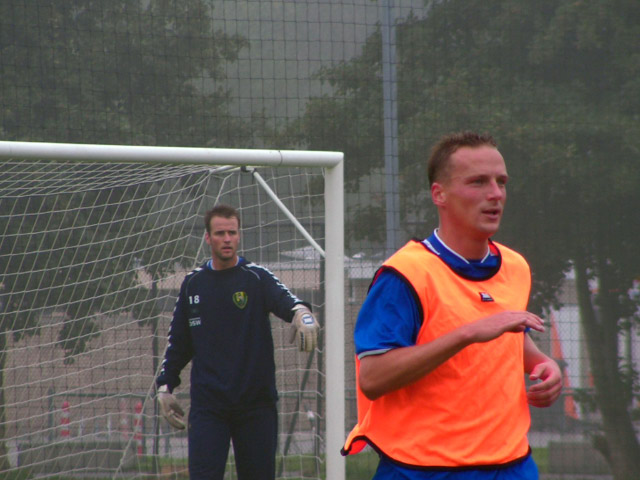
(435, 232)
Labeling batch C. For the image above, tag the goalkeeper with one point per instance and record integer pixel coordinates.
(221, 324)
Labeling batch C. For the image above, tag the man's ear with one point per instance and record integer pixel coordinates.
(438, 194)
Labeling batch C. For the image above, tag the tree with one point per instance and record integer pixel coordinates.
(121, 72)
(112, 72)
(557, 84)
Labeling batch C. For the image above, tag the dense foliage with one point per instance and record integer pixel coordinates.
(557, 83)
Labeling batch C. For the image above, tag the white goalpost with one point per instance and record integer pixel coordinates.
(95, 241)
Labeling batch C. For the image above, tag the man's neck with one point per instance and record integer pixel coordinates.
(217, 264)
(467, 247)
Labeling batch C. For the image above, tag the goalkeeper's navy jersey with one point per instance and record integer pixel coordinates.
(221, 323)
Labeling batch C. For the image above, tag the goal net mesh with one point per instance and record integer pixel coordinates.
(91, 261)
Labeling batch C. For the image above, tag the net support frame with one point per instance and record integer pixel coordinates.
(332, 162)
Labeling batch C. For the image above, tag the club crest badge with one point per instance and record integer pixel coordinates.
(240, 299)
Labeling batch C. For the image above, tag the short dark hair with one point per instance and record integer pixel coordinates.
(224, 211)
(441, 152)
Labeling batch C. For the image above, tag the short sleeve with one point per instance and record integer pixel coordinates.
(389, 317)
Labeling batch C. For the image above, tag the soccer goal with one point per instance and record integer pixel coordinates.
(96, 240)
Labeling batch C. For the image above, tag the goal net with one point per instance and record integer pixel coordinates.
(92, 257)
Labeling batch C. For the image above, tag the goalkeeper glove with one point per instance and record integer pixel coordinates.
(170, 408)
(305, 328)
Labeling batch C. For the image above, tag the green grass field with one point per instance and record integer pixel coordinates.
(358, 467)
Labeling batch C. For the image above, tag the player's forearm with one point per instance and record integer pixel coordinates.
(178, 354)
(397, 368)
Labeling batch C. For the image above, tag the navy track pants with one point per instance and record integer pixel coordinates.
(253, 432)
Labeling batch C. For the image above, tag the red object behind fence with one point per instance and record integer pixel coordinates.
(137, 427)
(65, 429)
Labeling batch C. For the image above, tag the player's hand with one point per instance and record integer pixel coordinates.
(304, 328)
(170, 408)
(547, 391)
(491, 327)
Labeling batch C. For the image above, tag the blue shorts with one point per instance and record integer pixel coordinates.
(525, 470)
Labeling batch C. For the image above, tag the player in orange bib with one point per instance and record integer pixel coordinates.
(441, 338)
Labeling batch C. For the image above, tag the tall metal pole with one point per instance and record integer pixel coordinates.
(390, 124)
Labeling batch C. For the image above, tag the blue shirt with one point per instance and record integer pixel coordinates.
(390, 318)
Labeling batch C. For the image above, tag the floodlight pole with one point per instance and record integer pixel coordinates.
(390, 124)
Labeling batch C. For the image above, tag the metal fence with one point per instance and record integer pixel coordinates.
(555, 82)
